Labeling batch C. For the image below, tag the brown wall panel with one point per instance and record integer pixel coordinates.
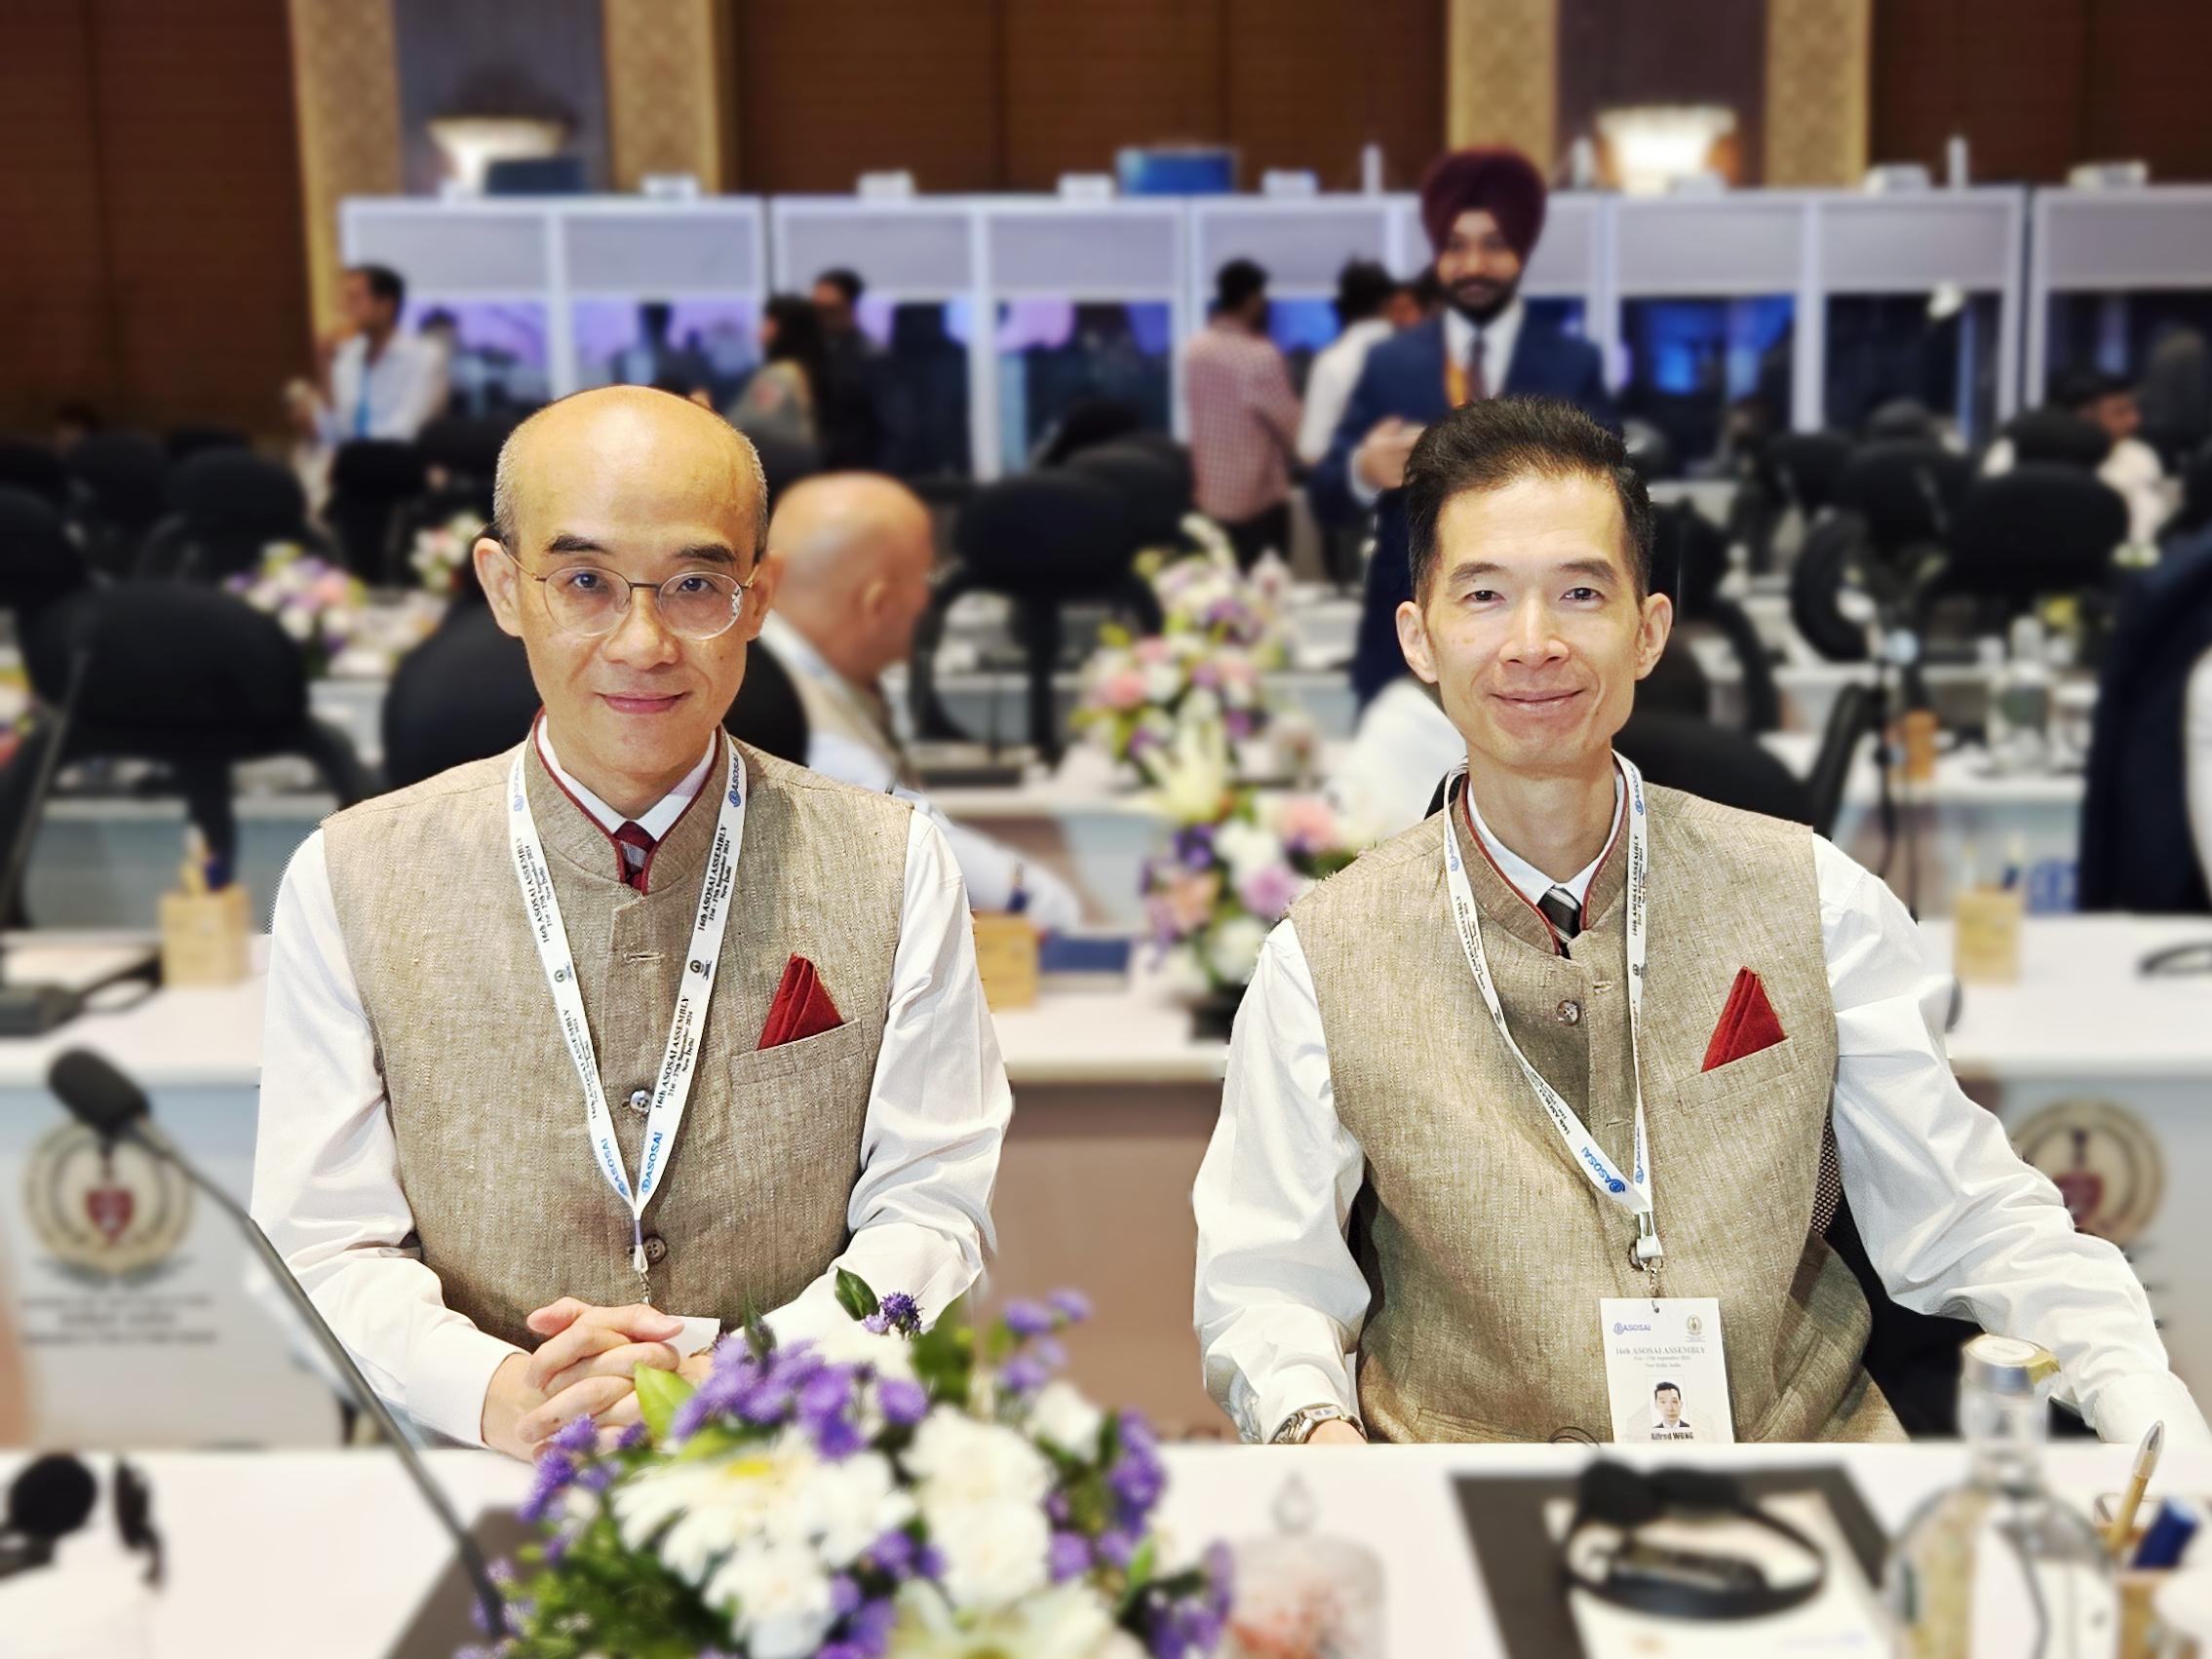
(829, 91)
(2146, 96)
(2006, 73)
(152, 144)
(1082, 80)
(1615, 54)
(1312, 81)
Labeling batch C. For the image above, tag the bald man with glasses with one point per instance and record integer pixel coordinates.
(576, 1055)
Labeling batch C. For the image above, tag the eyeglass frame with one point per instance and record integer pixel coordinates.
(630, 594)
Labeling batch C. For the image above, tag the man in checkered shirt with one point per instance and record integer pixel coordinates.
(1244, 416)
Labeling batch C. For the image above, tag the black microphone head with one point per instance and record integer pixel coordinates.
(98, 1095)
(52, 1497)
(1700, 1491)
(1618, 1495)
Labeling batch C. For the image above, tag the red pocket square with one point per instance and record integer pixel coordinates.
(1747, 1024)
(801, 1007)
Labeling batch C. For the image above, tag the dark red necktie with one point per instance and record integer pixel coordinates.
(637, 847)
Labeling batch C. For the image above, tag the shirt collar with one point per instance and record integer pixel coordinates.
(1498, 337)
(657, 820)
(1528, 880)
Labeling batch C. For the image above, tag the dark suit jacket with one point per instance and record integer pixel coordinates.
(1404, 377)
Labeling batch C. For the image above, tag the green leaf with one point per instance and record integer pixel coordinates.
(854, 1294)
(1139, 1575)
(659, 1394)
(759, 1340)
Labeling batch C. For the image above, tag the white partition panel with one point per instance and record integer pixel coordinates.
(641, 248)
(2112, 241)
(469, 250)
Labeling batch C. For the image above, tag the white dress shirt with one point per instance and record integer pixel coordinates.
(1952, 1220)
(1328, 384)
(1402, 745)
(2196, 759)
(325, 1166)
(394, 396)
(854, 749)
(1499, 335)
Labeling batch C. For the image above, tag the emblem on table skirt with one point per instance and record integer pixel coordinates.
(2105, 1162)
(110, 1212)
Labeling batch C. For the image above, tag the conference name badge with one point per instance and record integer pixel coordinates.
(1666, 1374)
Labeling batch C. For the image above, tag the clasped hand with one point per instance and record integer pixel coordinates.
(585, 1366)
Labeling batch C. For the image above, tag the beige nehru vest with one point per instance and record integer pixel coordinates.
(510, 1209)
(1486, 1248)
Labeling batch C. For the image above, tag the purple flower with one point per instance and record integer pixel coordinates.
(631, 1437)
(1028, 1319)
(1239, 724)
(597, 1477)
(1057, 1508)
(903, 1312)
(893, 1554)
(1117, 1548)
(556, 1473)
(1138, 1477)
(1022, 1374)
(1070, 1556)
(903, 1402)
(869, 1628)
(579, 1435)
(844, 1596)
(1194, 846)
(930, 1561)
(559, 1545)
(1072, 1305)
(1267, 892)
(1049, 1353)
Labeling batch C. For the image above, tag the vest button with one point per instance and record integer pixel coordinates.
(1569, 1012)
(656, 1250)
(640, 1100)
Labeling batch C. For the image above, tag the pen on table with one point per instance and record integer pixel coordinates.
(2146, 1461)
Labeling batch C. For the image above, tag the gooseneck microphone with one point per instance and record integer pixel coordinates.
(107, 1102)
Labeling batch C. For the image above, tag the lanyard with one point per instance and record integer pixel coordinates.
(1633, 1193)
(672, 1087)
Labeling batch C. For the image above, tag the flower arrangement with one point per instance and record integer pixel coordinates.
(1204, 593)
(880, 1490)
(1237, 862)
(1139, 694)
(441, 551)
(315, 601)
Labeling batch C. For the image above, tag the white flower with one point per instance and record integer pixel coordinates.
(1201, 708)
(995, 1553)
(719, 1504)
(958, 1460)
(1232, 948)
(851, 1343)
(780, 1597)
(1062, 1415)
(1247, 848)
(847, 1506)
(300, 624)
(1162, 680)
(1069, 1622)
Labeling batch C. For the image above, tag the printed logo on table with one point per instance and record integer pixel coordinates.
(2105, 1162)
(105, 1212)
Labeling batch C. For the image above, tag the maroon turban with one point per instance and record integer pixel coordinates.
(1503, 184)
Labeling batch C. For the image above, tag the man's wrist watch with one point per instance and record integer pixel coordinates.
(1297, 1428)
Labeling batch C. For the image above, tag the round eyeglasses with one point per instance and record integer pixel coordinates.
(693, 605)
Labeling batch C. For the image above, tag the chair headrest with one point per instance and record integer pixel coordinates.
(2040, 528)
(125, 473)
(38, 562)
(2059, 437)
(1805, 467)
(382, 467)
(1690, 557)
(1057, 534)
(235, 489)
(1907, 490)
(1157, 492)
(1088, 423)
(34, 468)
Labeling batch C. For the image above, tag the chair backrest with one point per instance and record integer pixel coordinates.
(371, 478)
(1089, 422)
(2058, 437)
(2040, 528)
(236, 489)
(1156, 494)
(34, 469)
(767, 711)
(184, 442)
(123, 477)
(1907, 492)
(1698, 757)
(1904, 420)
(466, 448)
(38, 562)
(1692, 552)
(463, 694)
(1054, 535)
(1802, 469)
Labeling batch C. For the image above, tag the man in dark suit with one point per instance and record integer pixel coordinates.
(1483, 210)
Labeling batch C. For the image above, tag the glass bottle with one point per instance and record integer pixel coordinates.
(1998, 1568)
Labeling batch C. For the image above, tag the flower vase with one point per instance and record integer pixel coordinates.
(1214, 1015)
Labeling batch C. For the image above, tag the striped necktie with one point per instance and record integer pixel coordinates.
(637, 848)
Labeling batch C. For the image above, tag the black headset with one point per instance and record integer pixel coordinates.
(1677, 1583)
(54, 1496)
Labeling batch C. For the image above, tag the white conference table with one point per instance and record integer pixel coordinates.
(276, 1554)
(1115, 1103)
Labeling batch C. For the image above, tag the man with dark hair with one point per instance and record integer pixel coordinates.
(1244, 416)
(1573, 1041)
(371, 381)
(849, 416)
(2131, 467)
(1484, 210)
(1667, 1420)
(1363, 288)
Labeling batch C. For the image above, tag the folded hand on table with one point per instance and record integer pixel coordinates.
(584, 1367)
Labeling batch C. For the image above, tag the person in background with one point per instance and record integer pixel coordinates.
(1415, 302)
(851, 416)
(1484, 210)
(1244, 418)
(2131, 467)
(857, 556)
(783, 398)
(73, 423)
(1364, 290)
(370, 379)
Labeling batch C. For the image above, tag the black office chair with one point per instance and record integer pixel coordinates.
(1695, 551)
(2040, 529)
(462, 454)
(226, 507)
(1900, 420)
(785, 461)
(39, 564)
(34, 469)
(1089, 422)
(1875, 556)
(1044, 540)
(1156, 492)
(1700, 758)
(177, 673)
(1793, 473)
(121, 478)
(185, 442)
(372, 479)
(1907, 492)
(465, 694)
(2055, 437)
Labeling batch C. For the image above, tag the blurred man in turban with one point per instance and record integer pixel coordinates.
(1484, 210)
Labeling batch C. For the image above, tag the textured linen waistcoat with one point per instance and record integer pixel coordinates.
(1485, 1246)
(510, 1207)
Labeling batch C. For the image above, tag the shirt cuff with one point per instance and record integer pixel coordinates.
(449, 1378)
(1293, 1388)
(1362, 492)
(2123, 1411)
(696, 1337)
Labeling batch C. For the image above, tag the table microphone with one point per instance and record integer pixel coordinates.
(106, 1101)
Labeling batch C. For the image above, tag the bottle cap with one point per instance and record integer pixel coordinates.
(2006, 1366)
